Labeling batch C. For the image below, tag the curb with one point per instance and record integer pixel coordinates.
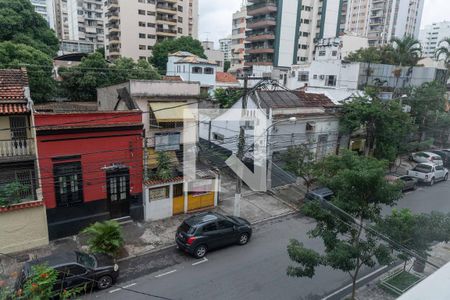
(173, 245)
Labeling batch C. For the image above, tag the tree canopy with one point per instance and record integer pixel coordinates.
(227, 97)
(443, 51)
(360, 191)
(20, 24)
(299, 160)
(162, 50)
(81, 82)
(38, 64)
(375, 55)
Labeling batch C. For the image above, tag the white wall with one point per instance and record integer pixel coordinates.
(287, 33)
(157, 209)
(331, 18)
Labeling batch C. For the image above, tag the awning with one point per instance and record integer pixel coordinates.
(152, 161)
(171, 111)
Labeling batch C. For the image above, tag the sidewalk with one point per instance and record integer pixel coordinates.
(145, 237)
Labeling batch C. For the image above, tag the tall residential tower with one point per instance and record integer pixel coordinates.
(239, 24)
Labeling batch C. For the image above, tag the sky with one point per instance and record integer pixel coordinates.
(215, 16)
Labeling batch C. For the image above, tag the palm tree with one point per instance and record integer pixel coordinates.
(406, 51)
(443, 51)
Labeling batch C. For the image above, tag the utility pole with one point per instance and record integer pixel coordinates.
(240, 153)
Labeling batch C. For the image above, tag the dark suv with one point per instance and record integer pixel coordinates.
(203, 232)
(75, 269)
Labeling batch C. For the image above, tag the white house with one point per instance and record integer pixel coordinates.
(191, 67)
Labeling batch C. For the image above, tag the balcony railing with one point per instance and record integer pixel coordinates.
(16, 148)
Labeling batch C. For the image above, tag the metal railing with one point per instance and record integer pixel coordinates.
(15, 148)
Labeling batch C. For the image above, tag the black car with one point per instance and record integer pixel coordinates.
(322, 194)
(206, 231)
(75, 269)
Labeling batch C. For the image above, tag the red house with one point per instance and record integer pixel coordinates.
(90, 166)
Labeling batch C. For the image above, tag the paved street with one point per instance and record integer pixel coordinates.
(254, 271)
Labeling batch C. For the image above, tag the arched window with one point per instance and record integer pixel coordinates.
(209, 71)
(197, 70)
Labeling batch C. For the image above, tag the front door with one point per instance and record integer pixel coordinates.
(118, 192)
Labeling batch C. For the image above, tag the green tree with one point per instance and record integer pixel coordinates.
(375, 55)
(38, 64)
(162, 50)
(426, 101)
(81, 82)
(360, 192)
(443, 51)
(164, 170)
(104, 237)
(20, 24)
(299, 160)
(385, 124)
(416, 232)
(227, 97)
(407, 51)
(226, 66)
(12, 193)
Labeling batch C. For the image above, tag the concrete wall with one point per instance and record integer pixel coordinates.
(107, 96)
(23, 229)
(287, 36)
(160, 208)
(331, 18)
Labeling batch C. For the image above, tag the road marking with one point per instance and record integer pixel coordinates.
(357, 281)
(113, 291)
(200, 262)
(130, 285)
(164, 274)
(122, 287)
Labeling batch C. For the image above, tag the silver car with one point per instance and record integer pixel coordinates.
(427, 157)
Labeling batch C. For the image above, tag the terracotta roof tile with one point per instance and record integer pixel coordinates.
(172, 78)
(225, 77)
(161, 181)
(292, 99)
(13, 108)
(12, 84)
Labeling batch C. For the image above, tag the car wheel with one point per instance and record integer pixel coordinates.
(243, 238)
(446, 177)
(104, 282)
(200, 251)
(432, 181)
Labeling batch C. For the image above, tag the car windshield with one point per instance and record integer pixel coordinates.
(86, 260)
(423, 168)
(328, 197)
(421, 154)
(185, 227)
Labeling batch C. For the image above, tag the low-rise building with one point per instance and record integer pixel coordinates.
(91, 165)
(22, 213)
(213, 55)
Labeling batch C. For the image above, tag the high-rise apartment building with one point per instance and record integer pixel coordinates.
(46, 10)
(133, 27)
(225, 47)
(79, 25)
(239, 25)
(381, 20)
(431, 36)
(282, 33)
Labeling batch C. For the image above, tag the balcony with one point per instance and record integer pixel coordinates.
(261, 37)
(258, 63)
(261, 8)
(166, 32)
(113, 16)
(166, 9)
(259, 50)
(166, 20)
(16, 149)
(261, 23)
(112, 4)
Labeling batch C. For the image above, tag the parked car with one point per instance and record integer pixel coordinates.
(429, 173)
(409, 182)
(427, 157)
(322, 194)
(76, 269)
(444, 155)
(206, 231)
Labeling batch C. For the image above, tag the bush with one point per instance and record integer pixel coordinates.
(104, 237)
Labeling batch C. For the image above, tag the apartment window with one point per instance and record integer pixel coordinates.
(151, 36)
(142, 58)
(303, 76)
(334, 53)
(180, 19)
(149, 47)
(142, 24)
(314, 76)
(151, 13)
(303, 46)
(142, 47)
(180, 8)
(151, 25)
(322, 53)
(180, 30)
(197, 70)
(303, 58)
(141, 12)
(167, 141)
(151, 1)
(18, 127)
(305, 34)
(310, 127)
(141, 1)
(306, 21)
(218, 137)
(330, 80)
(142, 35)
(209, 71)
(68, 184)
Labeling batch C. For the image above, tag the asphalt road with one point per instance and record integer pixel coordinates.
(254, 271)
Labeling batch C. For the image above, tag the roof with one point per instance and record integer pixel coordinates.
(13, 108)
(66, 107)
(171, 111)
(86, 126)
(226, 77)
(182, 54)
(194, 59)
(294, 99)
(172, 78)
(12, 85)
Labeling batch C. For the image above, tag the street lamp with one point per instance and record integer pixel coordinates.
(237, 196)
